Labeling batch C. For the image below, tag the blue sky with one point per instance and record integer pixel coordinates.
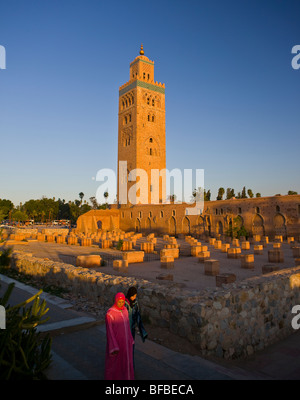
(232, 96)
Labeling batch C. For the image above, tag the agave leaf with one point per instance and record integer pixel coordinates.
(7, 294)
(24, 357)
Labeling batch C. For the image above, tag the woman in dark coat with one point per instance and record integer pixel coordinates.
(134, 314)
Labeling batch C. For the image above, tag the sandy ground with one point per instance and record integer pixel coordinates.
(187, 273)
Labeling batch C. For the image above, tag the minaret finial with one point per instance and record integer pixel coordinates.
(142, 50)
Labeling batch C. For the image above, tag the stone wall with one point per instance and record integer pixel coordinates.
(233, 321)
(34, 231)
(265, 216)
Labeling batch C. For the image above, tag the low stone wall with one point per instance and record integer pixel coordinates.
(233, 321)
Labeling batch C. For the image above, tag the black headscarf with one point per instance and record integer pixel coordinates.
(131, 292)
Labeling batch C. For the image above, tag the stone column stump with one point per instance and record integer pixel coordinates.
(275, 256)
(235, 243)
(247, 261)
(167, 262)
(296, 252)
(60, 239)
(266, 269)
(225, 247)
(258, 249)
(246, 245)
(203, 255)
(212, 241)
(234, 252)
(120, 265)
(88, 261)
(211, 267)
(225, 279)
(218, 244)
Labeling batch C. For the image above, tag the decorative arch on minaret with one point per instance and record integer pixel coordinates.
(152, 146)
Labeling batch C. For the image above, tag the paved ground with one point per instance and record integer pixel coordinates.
(79, 347)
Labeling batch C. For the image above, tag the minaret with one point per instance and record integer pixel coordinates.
(141, 131)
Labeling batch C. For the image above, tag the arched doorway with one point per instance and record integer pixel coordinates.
(207, 225)
(148, 223)
(258, 225)
(186, 226)
(99, 224)
(172, 226)
(200, 226)
(279, 225)
(137, 225)
(238, 222)
(219, 228)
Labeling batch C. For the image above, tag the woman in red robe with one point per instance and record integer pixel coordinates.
(119, 342)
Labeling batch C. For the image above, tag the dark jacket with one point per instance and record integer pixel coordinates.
(135, 319)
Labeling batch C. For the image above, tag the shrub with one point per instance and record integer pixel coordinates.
(24, 353)
(5, 256)
(120, 244)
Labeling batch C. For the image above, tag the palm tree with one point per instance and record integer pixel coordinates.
(81, 196)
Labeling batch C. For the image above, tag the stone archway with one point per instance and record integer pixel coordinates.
(200, 225)
(207, 224)
(186, 226)
(172, 226)
(219, 228)
(99, 224)
(258, 225)
(148, 223)
(238, 222)
(280, 225)
(137, 225)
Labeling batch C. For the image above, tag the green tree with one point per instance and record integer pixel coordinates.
(258, 195)
(250, 193)
(291, 192)
(2, 216)
(236, 229)
(85, 208)
(220, 193)
(19, 216)
(94, 202)
(207, 195)
(81, 196)
(6, 206)
(63, 210)
(229, 193)
(244, 196)
(41, 209)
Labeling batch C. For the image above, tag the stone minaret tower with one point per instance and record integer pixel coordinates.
(141, 140)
